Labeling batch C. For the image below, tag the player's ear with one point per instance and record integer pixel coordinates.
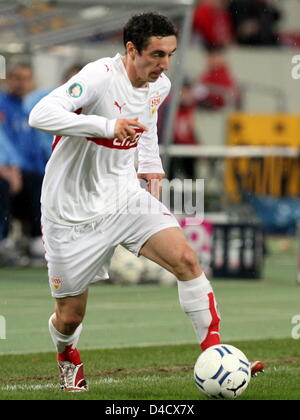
(131, 51)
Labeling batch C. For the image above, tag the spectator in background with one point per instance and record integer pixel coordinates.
(23, 162)
(212, 22)
(72, 71)
(34, 97)
(216, 87)
(10, 179)
(255, 22)
(185, 134)
(44, 139)
(10, 185)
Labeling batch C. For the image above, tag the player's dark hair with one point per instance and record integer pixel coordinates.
(141, 27)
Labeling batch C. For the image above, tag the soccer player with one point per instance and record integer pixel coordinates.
(92, 200)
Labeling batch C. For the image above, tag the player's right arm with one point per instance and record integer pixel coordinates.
(56, 113)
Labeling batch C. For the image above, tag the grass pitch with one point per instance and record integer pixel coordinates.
(138, 345)
(152, 373)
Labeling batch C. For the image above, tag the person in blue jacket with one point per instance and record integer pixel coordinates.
(45, 140)
(21, 155)
(10, 181)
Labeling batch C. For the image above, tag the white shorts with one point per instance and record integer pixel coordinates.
(80, 255)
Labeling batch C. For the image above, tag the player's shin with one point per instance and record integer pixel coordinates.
(66, 345)
(198, 302)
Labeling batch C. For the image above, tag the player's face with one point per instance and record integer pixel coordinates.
(155, 59)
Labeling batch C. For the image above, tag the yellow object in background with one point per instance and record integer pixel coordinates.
(273, 176)
(264, 130)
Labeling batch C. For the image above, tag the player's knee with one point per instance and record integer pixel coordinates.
(71, 321)
(187, 264)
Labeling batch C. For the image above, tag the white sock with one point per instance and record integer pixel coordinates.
(198, 302)
(61, 341)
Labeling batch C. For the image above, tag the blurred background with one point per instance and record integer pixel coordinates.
(232, 119)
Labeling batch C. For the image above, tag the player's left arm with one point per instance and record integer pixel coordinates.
(153, 183)
(150, 165)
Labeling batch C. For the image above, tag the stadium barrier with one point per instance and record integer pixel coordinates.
(238, 251)
(227, 250)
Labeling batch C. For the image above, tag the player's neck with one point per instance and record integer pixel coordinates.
(133, 77)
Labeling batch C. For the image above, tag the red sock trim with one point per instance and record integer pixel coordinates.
(70, 355)
(211, 338)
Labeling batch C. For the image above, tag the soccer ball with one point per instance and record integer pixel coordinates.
(222, 371)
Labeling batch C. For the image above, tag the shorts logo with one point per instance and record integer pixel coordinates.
(75, 90)
(56, 283)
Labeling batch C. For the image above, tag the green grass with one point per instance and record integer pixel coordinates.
(149, 315)
(152, 373)
(137, 343)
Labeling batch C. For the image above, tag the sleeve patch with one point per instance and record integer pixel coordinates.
(75, 90)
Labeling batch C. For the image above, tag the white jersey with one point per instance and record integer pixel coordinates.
(91, 173)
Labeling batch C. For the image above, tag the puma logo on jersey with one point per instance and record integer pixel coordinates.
(119, 106)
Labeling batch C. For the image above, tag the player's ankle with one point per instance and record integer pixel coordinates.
(70, 355)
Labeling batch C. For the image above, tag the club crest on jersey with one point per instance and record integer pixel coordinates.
(154, 103)
(75, 90)
(56, 283)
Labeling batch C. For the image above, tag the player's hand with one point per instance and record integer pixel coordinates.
(126, 128)
(154, 186)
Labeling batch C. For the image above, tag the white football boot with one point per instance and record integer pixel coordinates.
(72, 377)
